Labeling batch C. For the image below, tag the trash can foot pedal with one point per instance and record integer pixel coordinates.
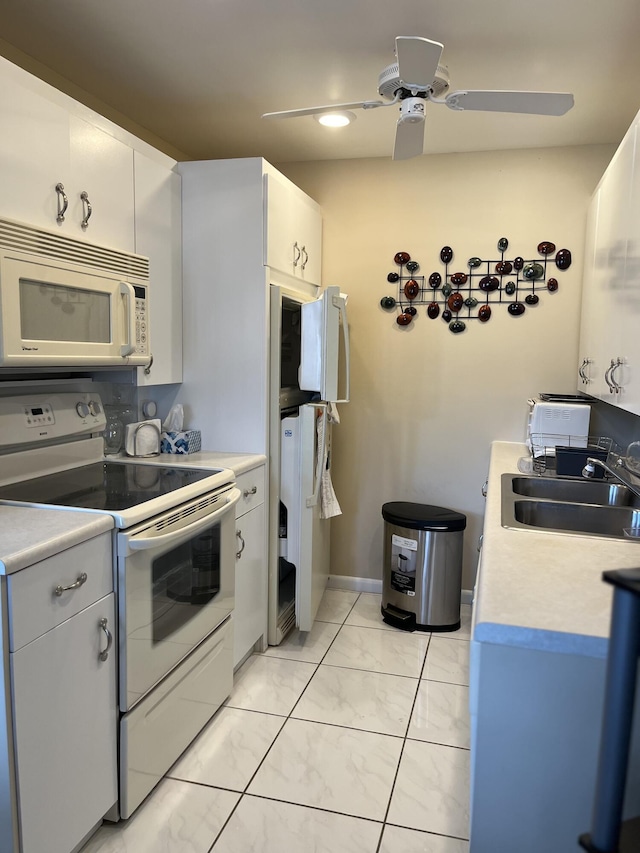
(398, 618)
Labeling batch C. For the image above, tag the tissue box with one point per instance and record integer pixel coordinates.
(188, 441)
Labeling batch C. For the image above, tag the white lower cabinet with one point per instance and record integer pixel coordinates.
(63, 697)
(250, 613)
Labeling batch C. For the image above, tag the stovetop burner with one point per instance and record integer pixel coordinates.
(108, 486)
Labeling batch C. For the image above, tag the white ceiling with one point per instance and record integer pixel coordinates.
(199, 73)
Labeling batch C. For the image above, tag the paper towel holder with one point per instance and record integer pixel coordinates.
(156, 451)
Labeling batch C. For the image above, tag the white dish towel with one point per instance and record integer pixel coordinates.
(329, 506)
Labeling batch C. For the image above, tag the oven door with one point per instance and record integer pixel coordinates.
(176, 578)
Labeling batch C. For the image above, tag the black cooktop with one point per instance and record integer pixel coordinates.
(110, 486)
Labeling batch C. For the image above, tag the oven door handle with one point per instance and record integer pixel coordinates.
(143, 543)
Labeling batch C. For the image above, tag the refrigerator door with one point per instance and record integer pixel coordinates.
(307, 539)
(322, 320)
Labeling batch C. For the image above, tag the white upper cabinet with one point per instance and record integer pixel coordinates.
(100, 187)
(158, 236)
(34, 155)
(293, 230)
(609, 354)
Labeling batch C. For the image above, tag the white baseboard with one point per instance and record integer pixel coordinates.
(355, 584)
(372, 585)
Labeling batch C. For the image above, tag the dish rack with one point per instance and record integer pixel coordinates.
(543, 448)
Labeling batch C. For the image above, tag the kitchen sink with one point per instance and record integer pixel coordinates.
(577, 518)
(569, 505)
(576, 491)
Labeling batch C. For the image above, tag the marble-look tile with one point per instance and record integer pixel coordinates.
(464, 631)
(267, 826)
(177, 817)
(331, 768)
(336, 605)
(269, 684)
(397, 652)
(371, 701)
(396, 839)
(308, 646)
(432, 789)
(441, 714)
(228, 751)
(366, 613)
(447, 660)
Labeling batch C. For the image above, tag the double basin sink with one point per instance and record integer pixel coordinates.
(570, 505)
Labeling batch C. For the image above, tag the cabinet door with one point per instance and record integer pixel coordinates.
(628, 308)
(65, 713)
(101, 167)
(609, 269)
(590, 369)
(34, 155)
(159, 237)
(250, 614)
(308, 227)
(293, 226)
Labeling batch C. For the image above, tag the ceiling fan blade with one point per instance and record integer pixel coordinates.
(409, 140)
(536, 103)
(418, 60)
(328, 108)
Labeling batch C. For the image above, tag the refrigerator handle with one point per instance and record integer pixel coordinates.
(315, 497)
(340, 302)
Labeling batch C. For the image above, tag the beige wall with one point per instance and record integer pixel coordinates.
(426, 404)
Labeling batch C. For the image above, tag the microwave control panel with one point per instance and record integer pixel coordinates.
(142, 320)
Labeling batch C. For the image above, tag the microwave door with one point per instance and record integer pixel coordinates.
(324, 326)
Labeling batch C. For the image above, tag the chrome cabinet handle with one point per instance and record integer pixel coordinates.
(86, 209)
(480, 541)
(296, 254)
(485, 486)
(617, 387)
(81, 579)
(581, 373)
(606, 377)
(239, 553)
(147, 369)
(306, 257)
(63, 203)
(104, 654)
(248, 492)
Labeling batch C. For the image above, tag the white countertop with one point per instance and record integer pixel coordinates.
(28, 535)
(543, 590)
(205, 459)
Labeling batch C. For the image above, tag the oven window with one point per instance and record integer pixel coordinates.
(185, 579)
(55, 312)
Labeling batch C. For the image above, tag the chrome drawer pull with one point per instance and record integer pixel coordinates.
(239, 553)
(248, 492)
(105, 654)
(77, 583)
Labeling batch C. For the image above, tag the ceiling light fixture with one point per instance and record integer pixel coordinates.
(341, 119)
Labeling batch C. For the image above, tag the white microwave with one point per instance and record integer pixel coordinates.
(68, 303)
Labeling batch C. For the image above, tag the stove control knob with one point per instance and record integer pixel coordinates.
(94, 407)
(82, 409)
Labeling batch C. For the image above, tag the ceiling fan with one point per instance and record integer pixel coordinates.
(417, 77)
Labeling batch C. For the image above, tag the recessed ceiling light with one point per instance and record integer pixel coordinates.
(335, 119)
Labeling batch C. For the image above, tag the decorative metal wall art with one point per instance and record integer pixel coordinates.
(461, 296)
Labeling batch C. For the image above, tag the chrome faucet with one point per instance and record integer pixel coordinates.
(589, 471)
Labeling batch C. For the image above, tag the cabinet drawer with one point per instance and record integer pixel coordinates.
(34, 607)
(251, 484)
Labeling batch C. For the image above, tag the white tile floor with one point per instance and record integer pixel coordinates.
(351, 739)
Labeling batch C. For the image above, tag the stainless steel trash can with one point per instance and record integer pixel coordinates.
(422, 576)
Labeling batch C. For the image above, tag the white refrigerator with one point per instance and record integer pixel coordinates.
(312, 336)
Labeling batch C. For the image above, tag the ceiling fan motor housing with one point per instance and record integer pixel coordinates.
(390, 81)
